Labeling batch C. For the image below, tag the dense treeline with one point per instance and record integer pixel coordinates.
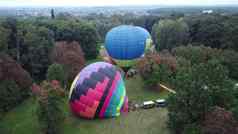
(215, 31)
(203, 78)
(197, 56)
(14, 83)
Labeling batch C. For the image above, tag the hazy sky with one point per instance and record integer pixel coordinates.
(113, 2)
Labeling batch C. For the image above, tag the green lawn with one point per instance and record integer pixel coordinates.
(23, 120)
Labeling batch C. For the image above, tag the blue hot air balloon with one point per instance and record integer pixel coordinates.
(125, 44)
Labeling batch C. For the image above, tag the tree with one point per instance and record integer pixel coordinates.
(229, 58)
(157, 68)
(82, 32)
(207, 30)
(161, 74)
(13, 45)
(4, 39)
(199, 88)
(201, 54)
(168, 34)
(10, 95)
(230, 38)
(234, 108)
(196, 54)
(56, 72)
(11, 70)
(52, 13)
(38, 44)
(70, 55)
(49, 111)
(14, 83)
(219, 121)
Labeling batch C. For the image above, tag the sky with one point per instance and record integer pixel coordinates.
(13, 3)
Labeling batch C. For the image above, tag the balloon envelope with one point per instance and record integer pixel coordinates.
(98, 91)
(126, 43)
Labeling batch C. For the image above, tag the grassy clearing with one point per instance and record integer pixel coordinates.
(23, 120)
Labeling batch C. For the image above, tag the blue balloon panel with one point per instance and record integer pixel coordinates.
(126, 42)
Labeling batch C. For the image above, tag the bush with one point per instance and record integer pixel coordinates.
(50, 114)
(56, 72)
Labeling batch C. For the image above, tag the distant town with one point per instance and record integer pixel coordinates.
(111, 10)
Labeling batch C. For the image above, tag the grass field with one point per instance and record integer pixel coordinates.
(23, 120)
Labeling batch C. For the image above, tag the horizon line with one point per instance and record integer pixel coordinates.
(129, 5)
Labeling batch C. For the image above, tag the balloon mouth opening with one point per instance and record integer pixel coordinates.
(125, 69)
(125, 107)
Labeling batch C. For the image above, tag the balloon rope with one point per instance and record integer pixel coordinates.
(168, 89)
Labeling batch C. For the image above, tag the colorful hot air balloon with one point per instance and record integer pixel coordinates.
(98, 91)
(125, 44)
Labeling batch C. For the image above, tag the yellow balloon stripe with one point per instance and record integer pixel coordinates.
(73, 85)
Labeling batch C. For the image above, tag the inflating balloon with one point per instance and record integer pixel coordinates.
(125, 44)
(98, 91)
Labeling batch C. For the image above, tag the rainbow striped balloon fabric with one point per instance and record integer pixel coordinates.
(98, 91)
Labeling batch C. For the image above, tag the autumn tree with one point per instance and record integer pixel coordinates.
(14, 83)
(11, 70)
(219, 121)
(157, 68)
(70, 55)
(82, 32)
